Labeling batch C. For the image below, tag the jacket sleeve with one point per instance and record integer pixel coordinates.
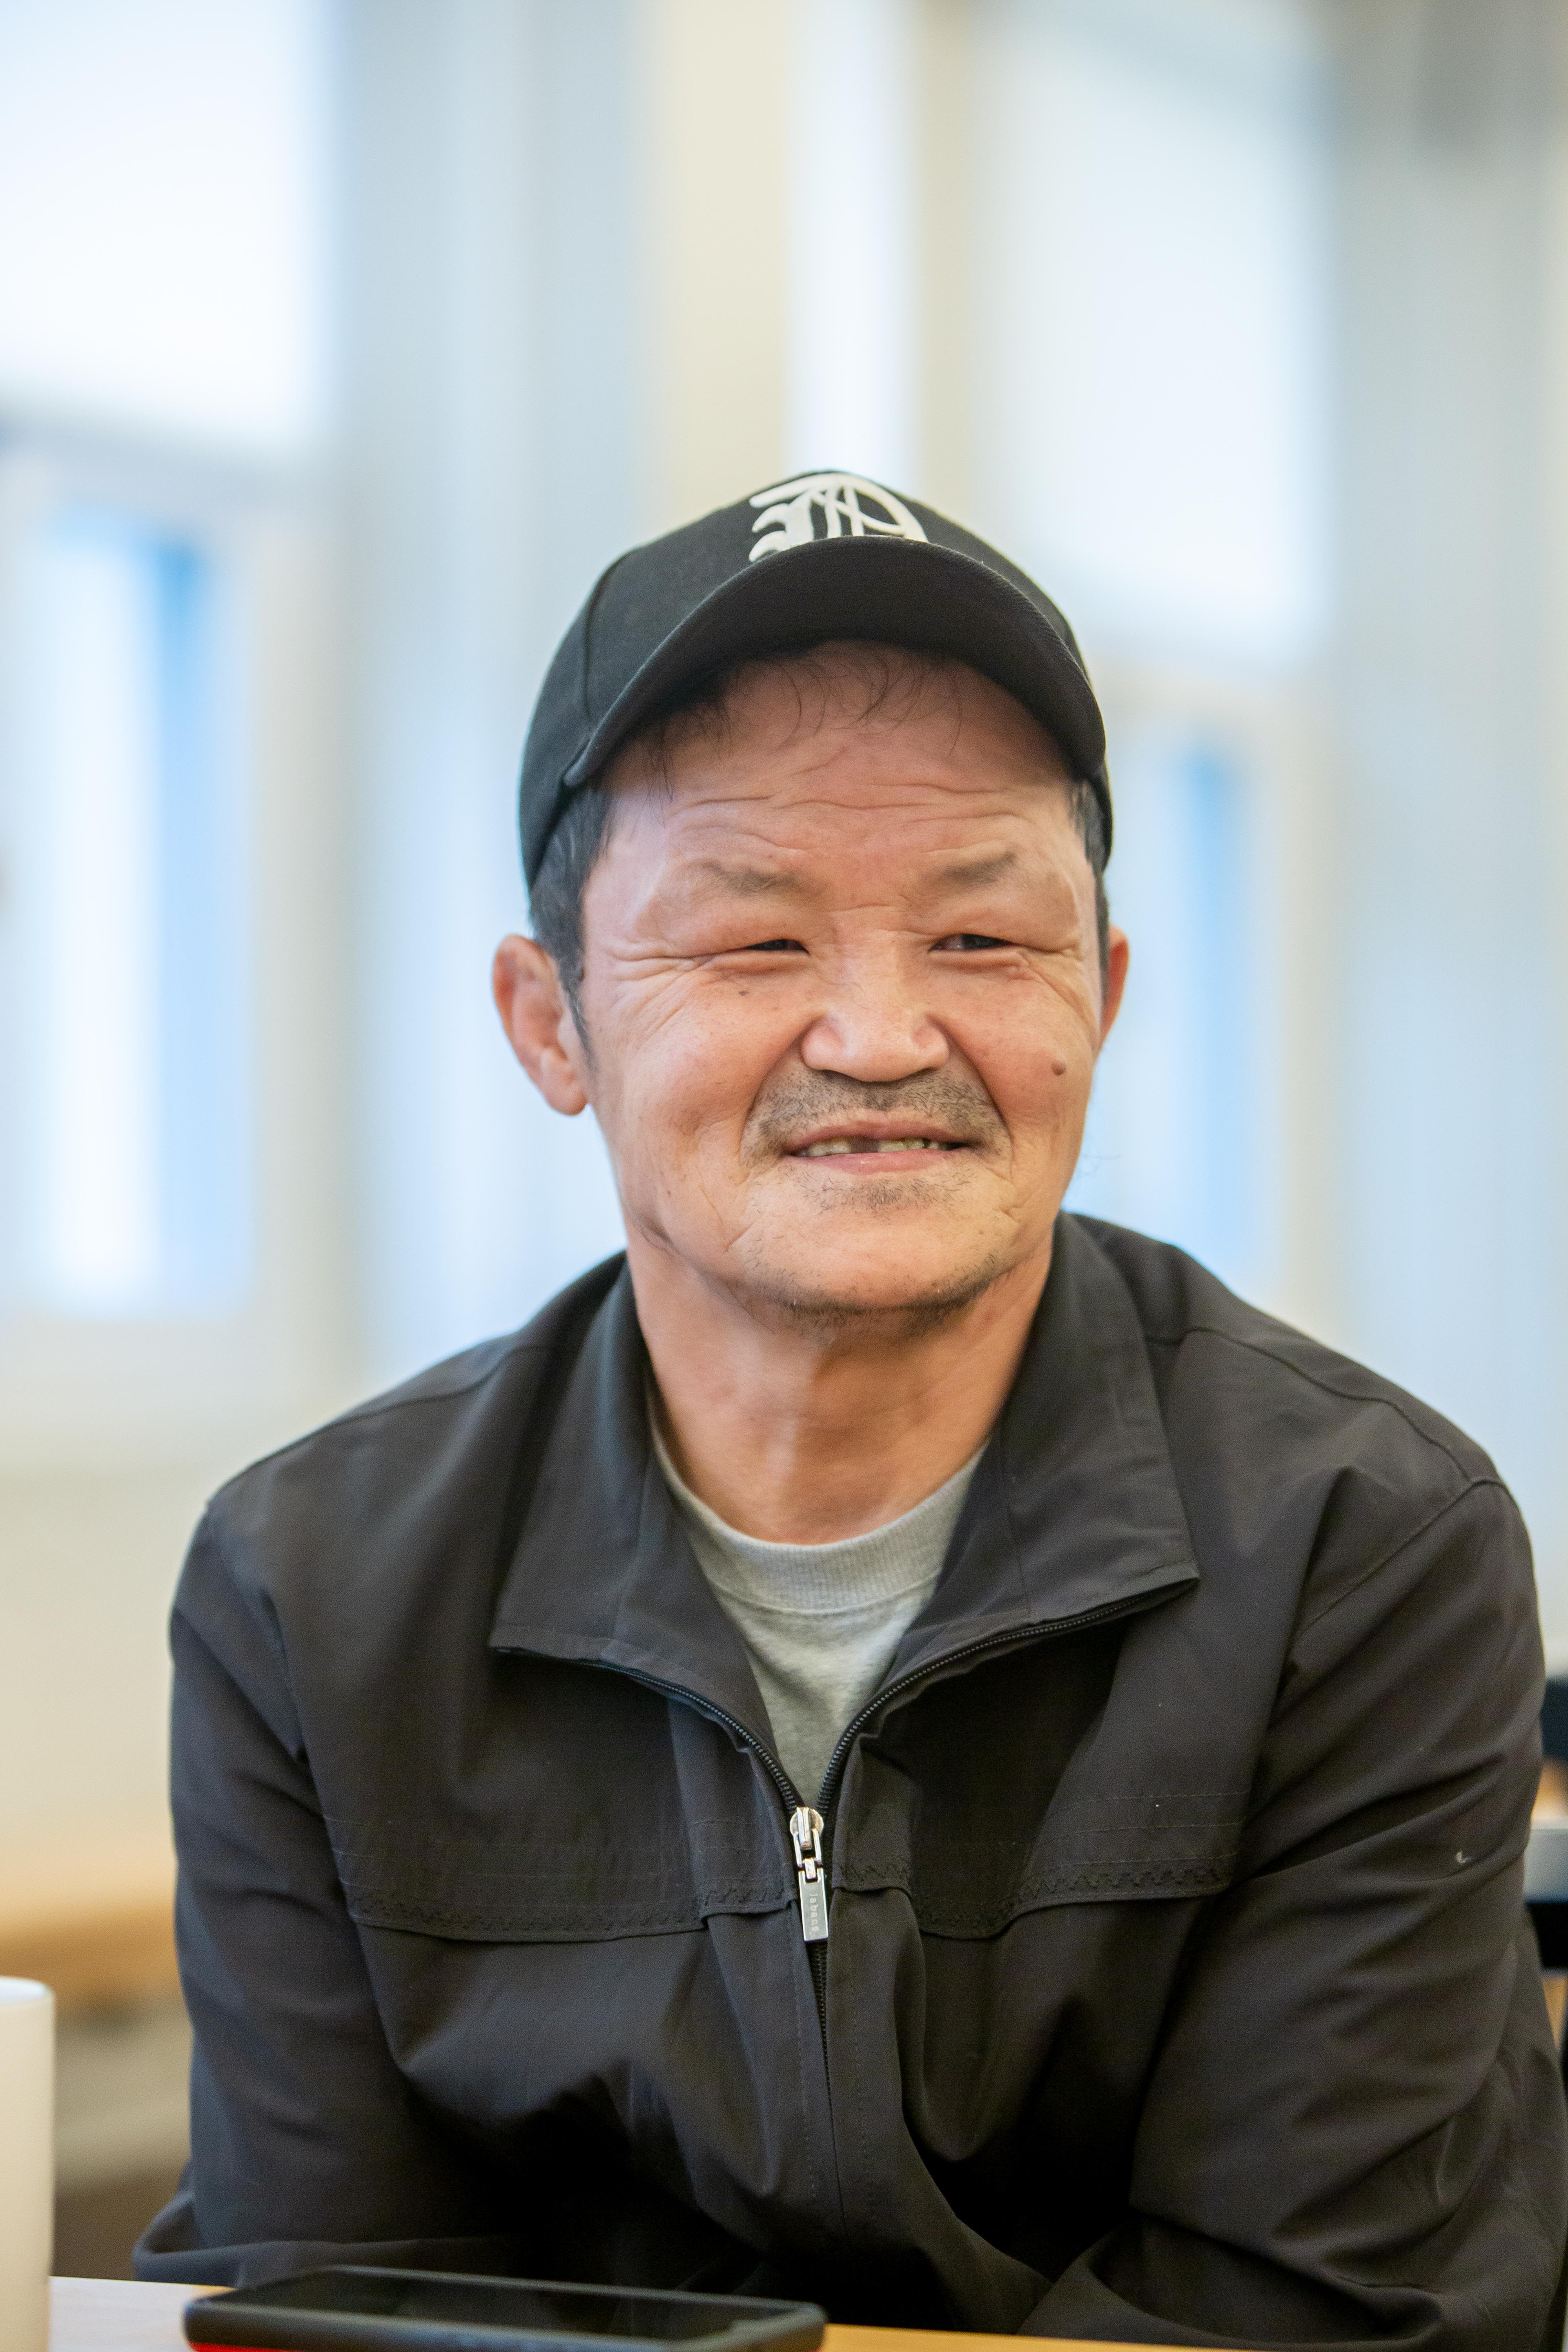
(1354, 2132)
(307, 2145)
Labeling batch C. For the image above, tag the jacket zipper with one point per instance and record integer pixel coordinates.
(810, 1830)
(828, 1799)
(806, 1836)
(804, 1833)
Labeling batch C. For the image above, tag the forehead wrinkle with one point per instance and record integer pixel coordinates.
(738, 833)
(696, 873)
(832, 776)
(930, 820)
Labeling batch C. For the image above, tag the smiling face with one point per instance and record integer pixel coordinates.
(841, 983)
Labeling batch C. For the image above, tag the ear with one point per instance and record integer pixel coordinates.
(539, 1025)
(1117, 954)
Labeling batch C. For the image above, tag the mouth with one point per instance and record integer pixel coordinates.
(867, 1149)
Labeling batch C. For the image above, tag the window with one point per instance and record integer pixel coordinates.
(1152, 311)
(131, 909)
(1175, 1142)
(1151, 397)
(162, 201)
(165, 381)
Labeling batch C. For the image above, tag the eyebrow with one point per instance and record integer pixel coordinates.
(762, 882)
(975, 873)
(752, 881)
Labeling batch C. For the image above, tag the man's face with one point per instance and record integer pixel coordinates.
(842, 991)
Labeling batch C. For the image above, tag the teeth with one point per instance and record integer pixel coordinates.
(887, 1143)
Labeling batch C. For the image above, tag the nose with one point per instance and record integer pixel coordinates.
(873, 1026)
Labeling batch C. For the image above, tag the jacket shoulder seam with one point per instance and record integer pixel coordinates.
(1328, 1388)
(1375, 1567)
(373, 1407)
(263, 1611)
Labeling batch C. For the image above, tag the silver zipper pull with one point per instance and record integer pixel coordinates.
(805, 1833)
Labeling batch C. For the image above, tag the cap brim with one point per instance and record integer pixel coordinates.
(892, 592)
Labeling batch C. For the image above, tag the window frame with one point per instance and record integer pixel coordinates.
(81, 1389)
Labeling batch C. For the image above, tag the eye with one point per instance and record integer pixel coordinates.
(970, 941)
(773, 947)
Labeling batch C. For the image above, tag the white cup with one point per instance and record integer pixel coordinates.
(1546, 1860)
(27, 2162)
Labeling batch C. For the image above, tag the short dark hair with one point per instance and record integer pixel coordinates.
(555, 901)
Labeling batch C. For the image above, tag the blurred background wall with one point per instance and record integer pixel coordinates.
(343, 341)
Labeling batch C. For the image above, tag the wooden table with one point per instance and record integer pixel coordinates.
(94, 1921)
(110, 2315)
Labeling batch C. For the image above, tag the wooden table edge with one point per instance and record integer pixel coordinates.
(139, 2315)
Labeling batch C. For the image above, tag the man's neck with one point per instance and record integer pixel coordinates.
(807, 1434)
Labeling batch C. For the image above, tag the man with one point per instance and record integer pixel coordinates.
(894, 1745)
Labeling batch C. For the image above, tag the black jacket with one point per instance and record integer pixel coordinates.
(1178, 1986)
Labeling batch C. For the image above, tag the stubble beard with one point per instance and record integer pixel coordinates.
(830, 1316)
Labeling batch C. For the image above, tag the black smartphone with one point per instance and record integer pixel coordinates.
(354, 2309)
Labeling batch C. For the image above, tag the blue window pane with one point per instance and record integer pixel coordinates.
(134, 953)
(1173, 1144)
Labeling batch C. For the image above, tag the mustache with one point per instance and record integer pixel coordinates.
(811, 1098)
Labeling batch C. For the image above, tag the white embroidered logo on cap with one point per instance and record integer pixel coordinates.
(793, 509)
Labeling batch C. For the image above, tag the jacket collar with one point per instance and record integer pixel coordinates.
(1073, 1511)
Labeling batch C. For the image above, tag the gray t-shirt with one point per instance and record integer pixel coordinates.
(820, 1621)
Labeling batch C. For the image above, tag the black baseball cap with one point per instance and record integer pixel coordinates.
(818, 556)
